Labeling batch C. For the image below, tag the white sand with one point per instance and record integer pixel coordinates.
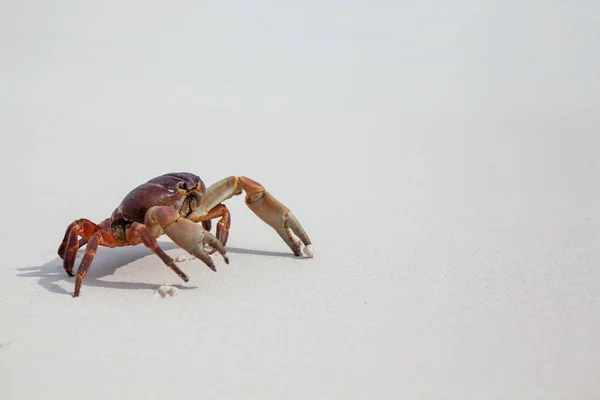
(443, 159)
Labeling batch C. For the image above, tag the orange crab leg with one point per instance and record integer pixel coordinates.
(64, 245)
(104, 225)
(222, 226)
(139, 233)
(70, 244)
(99, 238)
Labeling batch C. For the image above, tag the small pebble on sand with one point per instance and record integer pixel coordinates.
(167, 291)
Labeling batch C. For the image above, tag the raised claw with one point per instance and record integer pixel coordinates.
(278, 216)
(262, 203)
(192, 237)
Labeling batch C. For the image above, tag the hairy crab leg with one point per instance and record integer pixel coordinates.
(263, 204)
(188, 235)
(99, 238)
(139, 233)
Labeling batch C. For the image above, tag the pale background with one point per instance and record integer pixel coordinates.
(441, 154)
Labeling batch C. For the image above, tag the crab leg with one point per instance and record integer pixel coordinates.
(222, 226)
(62, 249)
(104, 225)
(70, 244)
(263, 204)
(187, 234)
(139, 233)
(99, 238)
(224, 223)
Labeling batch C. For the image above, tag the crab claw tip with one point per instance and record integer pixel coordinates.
(308, 250)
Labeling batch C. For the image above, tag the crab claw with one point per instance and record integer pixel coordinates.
(186, 234)
(192, 237)
(278, 216)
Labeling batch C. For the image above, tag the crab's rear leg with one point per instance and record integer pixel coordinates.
(186, 234)
(70, 244)
(104, 225)
(82, 226)
(263, 204)
(100, 237)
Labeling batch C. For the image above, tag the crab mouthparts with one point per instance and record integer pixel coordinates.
(191, 203)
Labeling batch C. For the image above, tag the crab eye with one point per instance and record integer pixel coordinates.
(182, 185)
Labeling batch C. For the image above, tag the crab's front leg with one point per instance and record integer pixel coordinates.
(263, 204)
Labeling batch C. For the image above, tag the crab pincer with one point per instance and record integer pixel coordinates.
(277, 215)
(263, 204)
(186, 234)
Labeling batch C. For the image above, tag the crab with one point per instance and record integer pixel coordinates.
(174, 204)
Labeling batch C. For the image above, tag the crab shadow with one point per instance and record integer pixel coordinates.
(53, 277)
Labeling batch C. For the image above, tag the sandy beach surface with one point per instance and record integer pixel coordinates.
(442, 158)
